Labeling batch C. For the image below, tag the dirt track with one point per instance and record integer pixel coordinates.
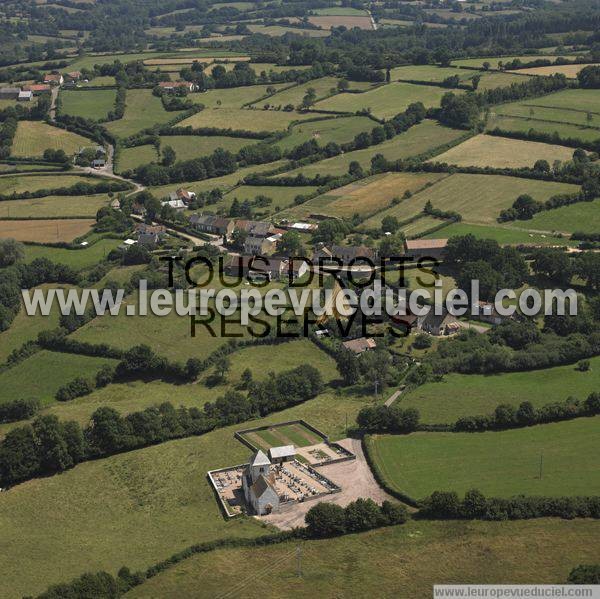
(354, 478)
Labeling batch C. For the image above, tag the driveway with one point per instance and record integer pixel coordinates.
(355, 479)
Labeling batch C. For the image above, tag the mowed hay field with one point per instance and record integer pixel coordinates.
(418, 139)
(501, 152)
(94, 104)
(563, 130)
(45, 231)
(340, 130)
(568, 70)
(459, 395)
(142, 110)
(130, 158)
(412, 557)
(294, 94)
(54, 206)
(78, 258)
(364, 197)
(248, 120)
(500, 464)
(233, 97)
(33, 137)
(287, 434)
(478, 198)
(428, 72)
(385, 101)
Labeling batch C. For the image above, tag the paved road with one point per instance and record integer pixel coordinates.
(393, 397)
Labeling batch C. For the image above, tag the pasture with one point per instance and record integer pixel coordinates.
(233, 97)
(54, 206)
(94, 104)
(568, 70)
(33, 137)
(45, 231)
(427, 72)
(43, 373)
(583, 216)
(294, 94)
(365, 196)
(494, 80)
(10, 184)
(563, 130)
(339, 130)
(194, 146)
(541, 550)
(77, 258)
(385, 101)
(495, 62)
(130, 158)
(504, 235)
(248, 120)
(417, 140)
(142, 110)
(501, 152)
(459, 395)
(500, 464)
(281, 197)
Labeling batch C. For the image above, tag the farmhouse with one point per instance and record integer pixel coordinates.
(216, 225)
(74, 76)
(348, 253)
(175, 204)
(144, 228)
(487, 313)
(25, 96)
(149, 240)
(37, 88)
(258, 246)
(360, 345)
(254, 228)
(239, 266)
(426, 248)
(440, 324)
(182, 194)
(54, 79)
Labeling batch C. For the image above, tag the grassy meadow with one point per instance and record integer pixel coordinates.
(79, 259)
(500, 464)
(33, 137)
(94, 104)
(54, 206)
(45, 231)
(584, 216)
(10, 184)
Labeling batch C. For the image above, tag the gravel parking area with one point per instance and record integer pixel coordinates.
(355, 479)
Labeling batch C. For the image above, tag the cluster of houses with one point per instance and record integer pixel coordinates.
(26, 93)
(16, 93)
(148, 236)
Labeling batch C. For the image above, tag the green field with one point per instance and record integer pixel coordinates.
(76, 258)
(494, 80)
(293, 95)
(500, 464)
(412, 557)
(33, 137)
(385, 101)
(10, 184)
(248, 120)
(281, 196)
(584, 216)
(563, 130)
(54, 206)
(130, 158)
(94, 104)
(288, 434)
(502, 234)
(339, 130)
(142, 110)
(427, 72)
(138, 507)
(416, 140)
(461, 395)
(478, 198)
(44, 373)
(233, 97)
(477, 63)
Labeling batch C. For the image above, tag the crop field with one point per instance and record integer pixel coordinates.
(563, 130)
(282, 196)
(158, 501)
(500, 152)
(33, 137)
(142, 110)
(248, 120)
(78, 259)
(339, 130)
(45, 231)
(278, 30)
(364, 197)
(500, 464)
(42, 374)
(568, 70)
(480, 198)
(461, 395)
(10, 184)
(293, 95)
(288, 434)
(233, 97)
(542, 550)
(584, 216)
(94, 104)
(504, 235)
(418, 139)
(54, 206)
(385, 101)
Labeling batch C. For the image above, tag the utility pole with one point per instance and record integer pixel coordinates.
(299, 561)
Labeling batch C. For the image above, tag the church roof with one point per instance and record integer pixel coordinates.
(263, 483)
(260, 459)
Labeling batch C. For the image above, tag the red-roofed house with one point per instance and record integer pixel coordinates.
(37, 88)
(54, 79)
